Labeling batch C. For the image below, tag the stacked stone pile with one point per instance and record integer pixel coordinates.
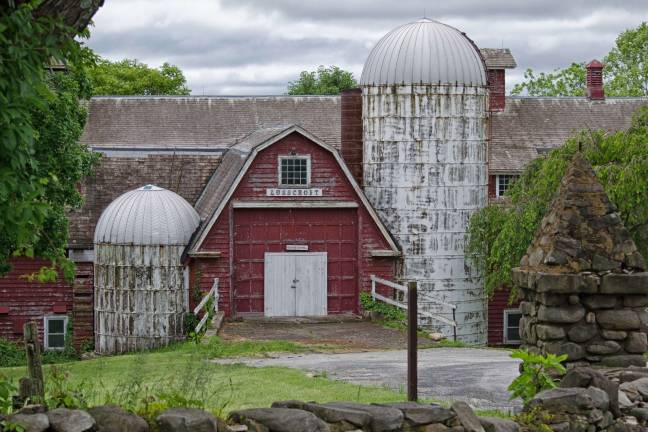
(583, 282)
(286, 416)
(611, 400)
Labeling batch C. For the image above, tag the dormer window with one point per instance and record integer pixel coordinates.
(294, 171)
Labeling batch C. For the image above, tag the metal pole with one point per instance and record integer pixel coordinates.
(412, 325)
(454, 328)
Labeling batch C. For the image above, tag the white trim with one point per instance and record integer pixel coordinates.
(294, 204)
(46, 320)
(505, 338)
(205, 254)
(378, 253)
(250, 158)
(308, 171)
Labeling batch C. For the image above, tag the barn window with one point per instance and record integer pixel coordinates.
(55, 329)
(512, 326)
(504, 182)
(294, 170)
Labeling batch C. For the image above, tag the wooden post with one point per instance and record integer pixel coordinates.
(412, 338)
(32, 388)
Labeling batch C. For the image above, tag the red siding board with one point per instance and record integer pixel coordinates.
(349, 235)
(496, 306)
(31, 301)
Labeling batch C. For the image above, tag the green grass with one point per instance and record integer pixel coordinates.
(183, 371)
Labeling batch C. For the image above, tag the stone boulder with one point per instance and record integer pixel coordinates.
(571, 400)
(186, 420)
(280, 419)
(70, 420)
(496, 424)
(37, 422)
(112, 418)
(420, 415)
(585, 377)
(383, 419)
(636, 343)
(467, 417)
(330, 414)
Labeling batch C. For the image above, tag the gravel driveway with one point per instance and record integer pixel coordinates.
(477, 376)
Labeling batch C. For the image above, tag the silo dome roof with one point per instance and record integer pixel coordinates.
(427, 52)
(149, 215)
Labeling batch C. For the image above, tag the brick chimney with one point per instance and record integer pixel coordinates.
(351, 133)
(497, 60)
(595, 80)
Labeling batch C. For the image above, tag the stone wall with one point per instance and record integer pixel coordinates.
(582, 281)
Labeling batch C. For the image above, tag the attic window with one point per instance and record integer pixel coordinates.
(504, 182)
(294, 170)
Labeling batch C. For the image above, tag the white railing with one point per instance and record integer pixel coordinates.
(403, 305)
(212, 294)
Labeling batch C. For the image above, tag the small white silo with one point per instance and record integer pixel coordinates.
(140, 292)
(424, 115)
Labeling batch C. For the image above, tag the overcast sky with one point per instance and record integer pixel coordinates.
(252, 47)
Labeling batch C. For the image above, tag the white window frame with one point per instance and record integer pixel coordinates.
(507, 313)
(512, 178)
(46, 321)
(308, 170)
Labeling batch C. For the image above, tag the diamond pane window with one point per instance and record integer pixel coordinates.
(294, 171)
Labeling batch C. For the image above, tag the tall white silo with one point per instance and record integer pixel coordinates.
(424, 114)
(140, 292)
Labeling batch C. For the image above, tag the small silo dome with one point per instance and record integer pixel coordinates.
(424, 52)
(149, 215)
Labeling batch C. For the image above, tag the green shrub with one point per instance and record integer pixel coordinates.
(11, 354)
(60, 392)
(387, 311)
(534, 376)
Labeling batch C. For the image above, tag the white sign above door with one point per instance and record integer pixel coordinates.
(282, 192)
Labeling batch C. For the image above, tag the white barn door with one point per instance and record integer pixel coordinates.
(295, 283)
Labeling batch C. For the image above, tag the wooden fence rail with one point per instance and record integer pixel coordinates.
(421, 296)
(212, 294)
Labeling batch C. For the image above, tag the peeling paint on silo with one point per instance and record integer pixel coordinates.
(425, 172)
(139, 297)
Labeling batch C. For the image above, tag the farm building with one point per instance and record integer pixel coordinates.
(287, 206)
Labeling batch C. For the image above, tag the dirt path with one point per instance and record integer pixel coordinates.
(347, 333)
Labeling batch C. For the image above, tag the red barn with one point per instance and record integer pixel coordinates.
(287, 230)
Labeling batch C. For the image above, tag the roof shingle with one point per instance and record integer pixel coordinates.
(530, 126)
(498, 58)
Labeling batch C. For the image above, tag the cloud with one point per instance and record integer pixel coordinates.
(257, 46)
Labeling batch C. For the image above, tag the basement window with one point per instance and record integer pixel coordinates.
(504, 182)
(512, 326)
(55, 329)
(294, 170)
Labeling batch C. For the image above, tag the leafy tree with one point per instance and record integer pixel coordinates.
(625, 71)
(500, 233)
(41, 119)
(561, 82)
(627, 63)
(131, 77)
(325, 81)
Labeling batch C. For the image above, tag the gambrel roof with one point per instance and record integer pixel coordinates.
(234, 166)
